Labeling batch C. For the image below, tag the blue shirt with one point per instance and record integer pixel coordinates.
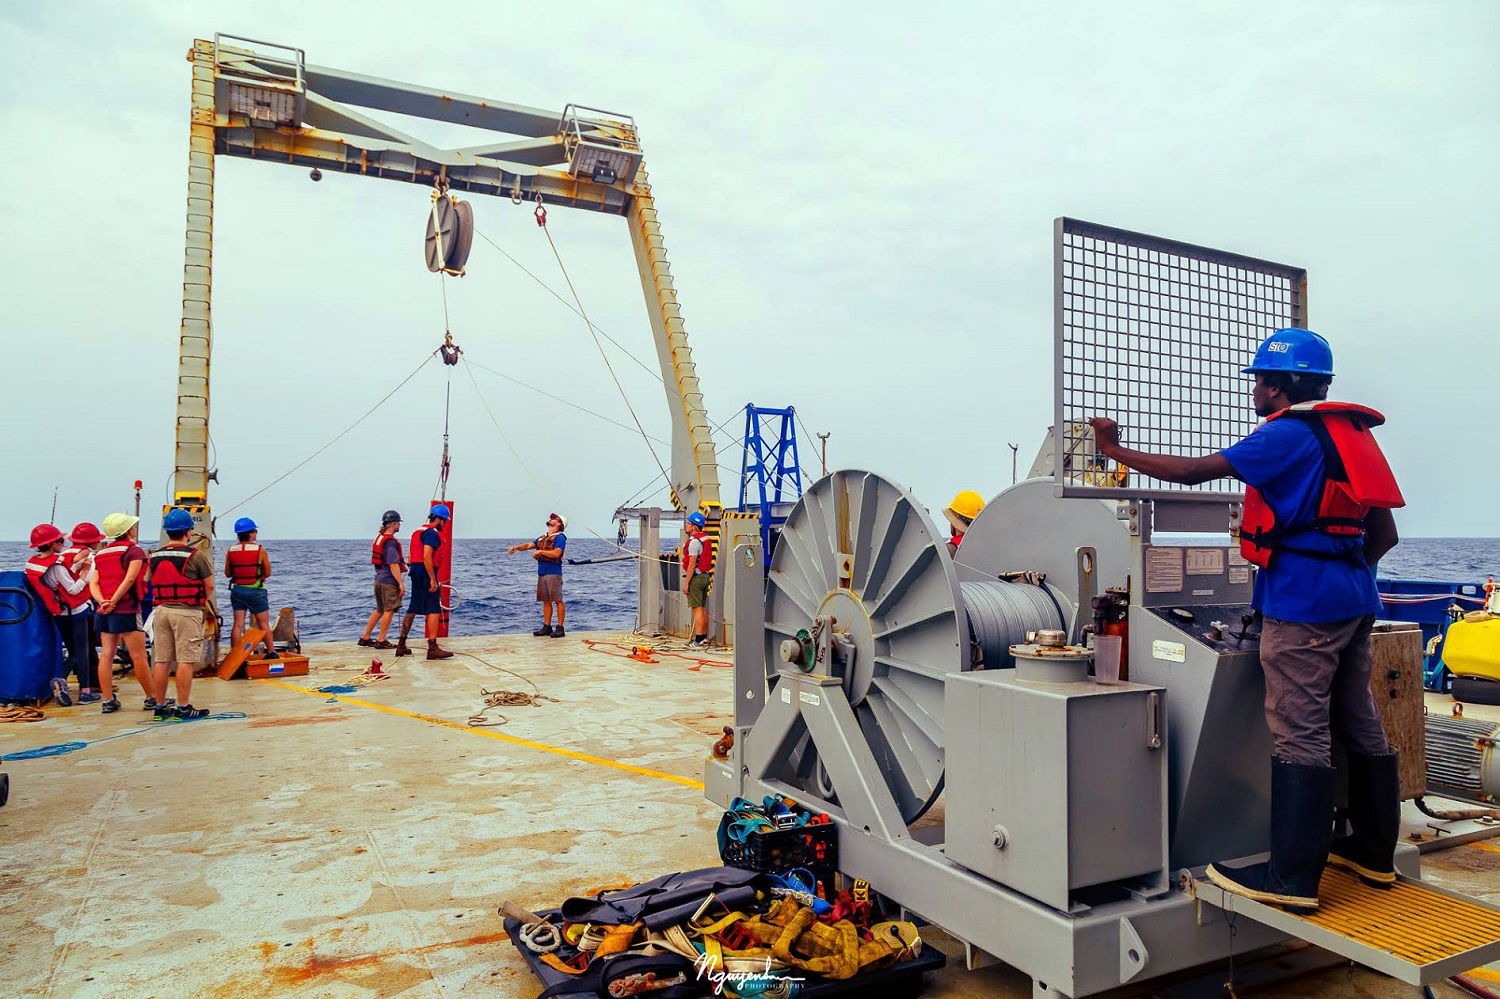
(1283, 459)
(547, 567)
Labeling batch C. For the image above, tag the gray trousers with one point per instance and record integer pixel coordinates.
(1318, 689)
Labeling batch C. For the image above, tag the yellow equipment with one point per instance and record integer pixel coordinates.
(1472, 647)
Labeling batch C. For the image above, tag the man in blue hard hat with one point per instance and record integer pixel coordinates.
(426, 598)
(1317, 516)
(248, 566)
(697, 574)
(182, 583)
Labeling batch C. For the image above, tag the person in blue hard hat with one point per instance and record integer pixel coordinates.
(248, 566)
(426, 598)
(182, 584)
(697, 574)
(1317, 517)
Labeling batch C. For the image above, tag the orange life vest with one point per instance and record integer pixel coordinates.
(70, 559)
(1356, 479)
(110, 564)
(377, 550)
(36, 569)
(244, 563)
(169, 582)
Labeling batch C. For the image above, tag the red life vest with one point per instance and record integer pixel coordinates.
(956, 540)
(70, 559)
(416, 546)
(244, 563)
(36, 568)
(109, 562)
(1356, 479)
(705, 557)
(169, 583)
(377, 550)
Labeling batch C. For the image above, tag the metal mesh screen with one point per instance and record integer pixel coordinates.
(1153, 333)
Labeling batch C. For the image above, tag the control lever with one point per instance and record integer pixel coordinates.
(1246, 621)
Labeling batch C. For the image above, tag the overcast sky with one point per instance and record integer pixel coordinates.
(857, 202)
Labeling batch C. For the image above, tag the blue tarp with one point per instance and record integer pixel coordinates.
(30, 648)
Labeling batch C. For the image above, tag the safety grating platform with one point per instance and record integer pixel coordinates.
(1413, 931)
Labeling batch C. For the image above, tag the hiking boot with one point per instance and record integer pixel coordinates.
(273, 654)
(402, 649)
(365, 643)
(434, 652)
(110, 706)
(1374, 820)
(545, 631)
(382, 644)
(60, 693)
(186, 712)
(1301, 810)
(558, 632)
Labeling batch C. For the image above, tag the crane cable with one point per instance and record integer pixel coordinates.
(339, 436)
(541, 486)
(548, 289)
(541, 221)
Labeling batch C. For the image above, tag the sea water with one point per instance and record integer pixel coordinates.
(330, 583)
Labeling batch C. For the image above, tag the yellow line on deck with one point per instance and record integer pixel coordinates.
(558, 750)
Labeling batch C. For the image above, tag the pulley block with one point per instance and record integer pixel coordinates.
(450, 234)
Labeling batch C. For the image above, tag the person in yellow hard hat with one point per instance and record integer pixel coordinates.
(961, 513)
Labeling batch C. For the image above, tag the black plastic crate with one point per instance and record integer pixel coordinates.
(779, 850)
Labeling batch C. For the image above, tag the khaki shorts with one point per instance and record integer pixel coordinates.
(177, 634)
(697, 593)
(387, 598)
(549, 589)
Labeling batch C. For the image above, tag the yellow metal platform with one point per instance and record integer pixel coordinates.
(1413, 931)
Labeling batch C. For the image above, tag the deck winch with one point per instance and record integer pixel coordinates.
(1078, 816)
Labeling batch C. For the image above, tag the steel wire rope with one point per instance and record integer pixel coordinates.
(639, 494)
(565, 402)
(667, 476)
(469, 370)
(548, 289)
(341, 434)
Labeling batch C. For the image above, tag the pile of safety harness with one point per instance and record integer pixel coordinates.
(725, 930)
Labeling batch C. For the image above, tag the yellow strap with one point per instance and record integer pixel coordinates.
(555, 962)
(713, 955)
(721, 925)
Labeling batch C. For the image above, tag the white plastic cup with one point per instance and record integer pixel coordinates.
(1107, 650)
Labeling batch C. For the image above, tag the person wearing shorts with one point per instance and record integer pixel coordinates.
(247, 567)
(426, 594)
(548, 551)
(385, 556)
(182, 582)
(117, 582)
(697, 575)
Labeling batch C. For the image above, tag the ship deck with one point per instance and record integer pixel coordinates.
(359, 845)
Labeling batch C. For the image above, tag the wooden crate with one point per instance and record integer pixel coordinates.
(1396, 682)
(286, 664)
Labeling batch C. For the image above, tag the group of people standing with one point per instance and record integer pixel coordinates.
(98, 583)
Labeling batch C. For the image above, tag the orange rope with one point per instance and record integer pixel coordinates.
(594, 643)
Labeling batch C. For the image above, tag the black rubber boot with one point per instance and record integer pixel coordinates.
(1301, 812)
(1374, 820)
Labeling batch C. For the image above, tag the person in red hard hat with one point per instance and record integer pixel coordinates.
(1317, 517)
(78, 557)
(63, 595)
